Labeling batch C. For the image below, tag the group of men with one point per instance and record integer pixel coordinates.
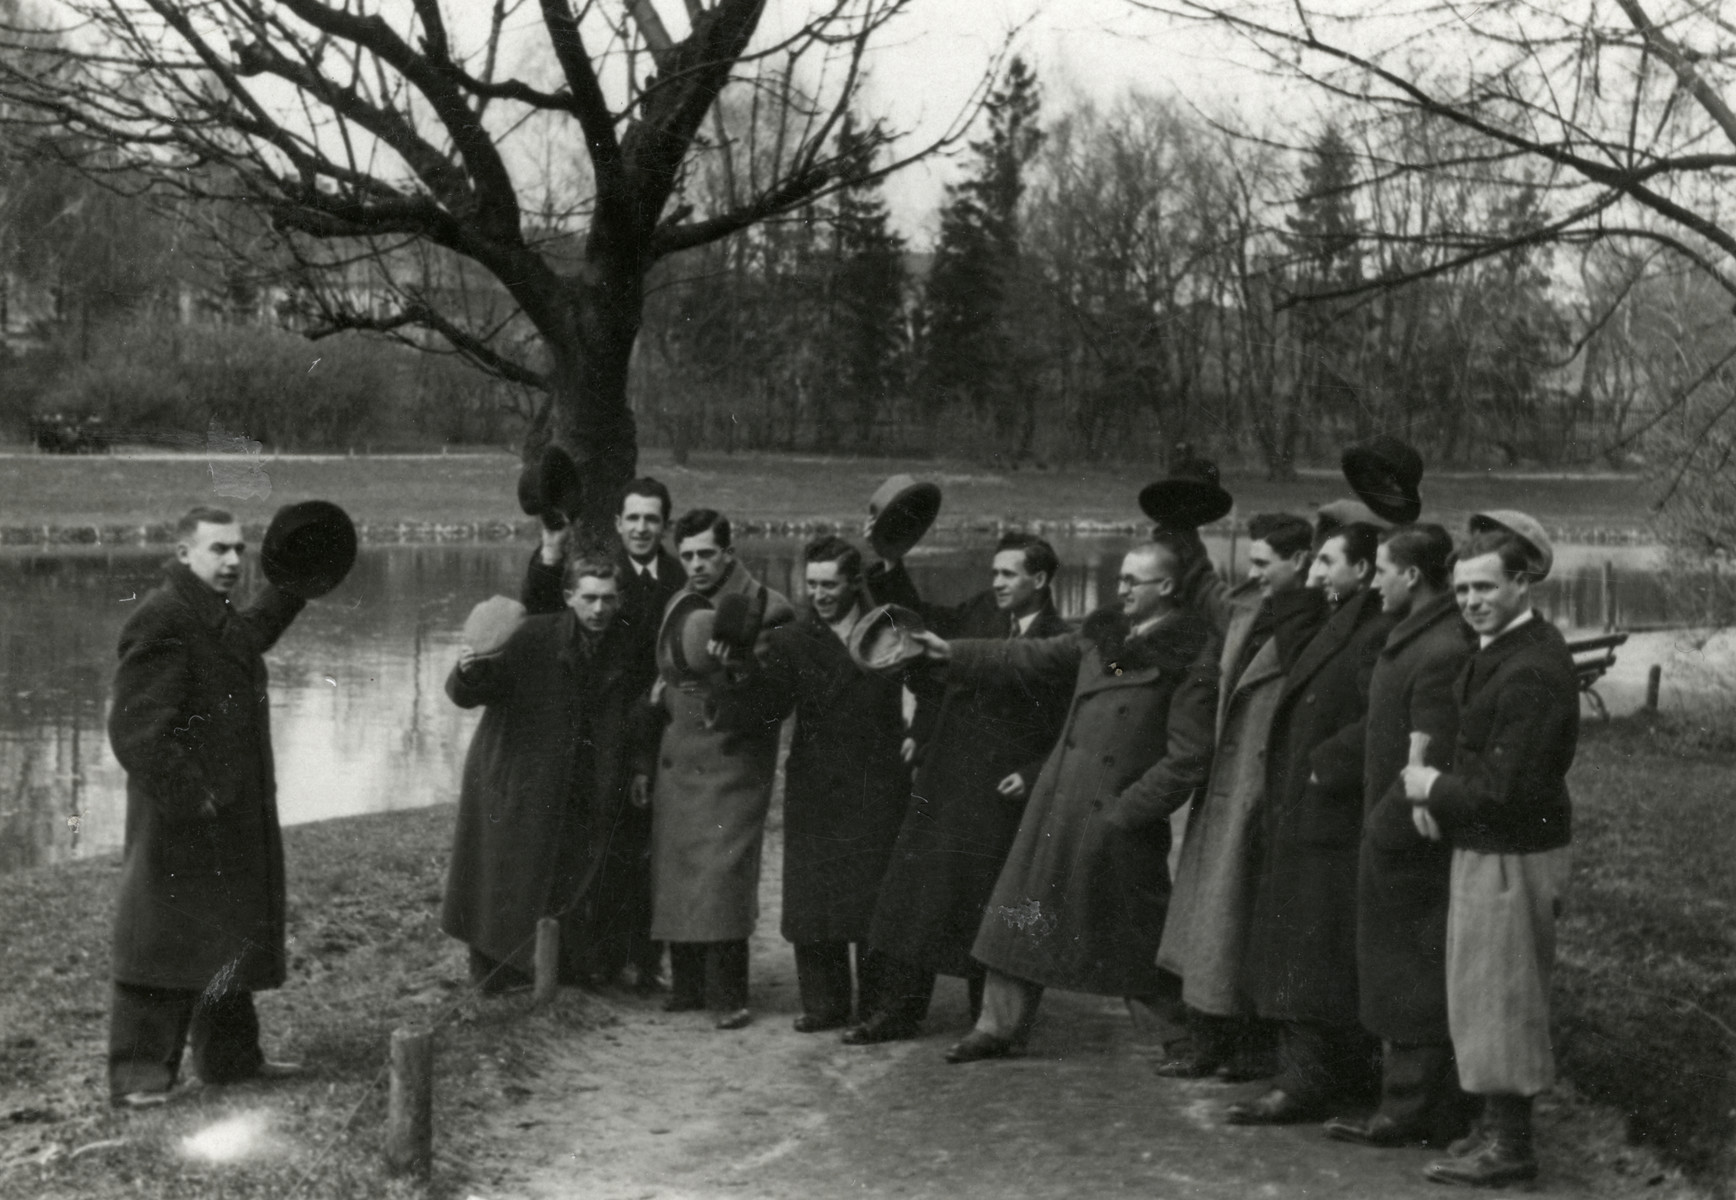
(1368, 740)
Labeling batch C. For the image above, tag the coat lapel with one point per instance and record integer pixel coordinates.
(1333, 636)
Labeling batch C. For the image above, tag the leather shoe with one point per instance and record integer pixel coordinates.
(976, 1045)
(138, 1100)
(280, 1070)
(879, 1028)
(1188, 1066)
(1378, 1130)
(1498, 1161)
(741, 1018)
(1276, 1107)
(817, 1023)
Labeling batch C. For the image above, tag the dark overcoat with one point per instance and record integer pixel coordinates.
(202, 892)
(1080, 902)
(845, 784)
(545, 783)
(1401, 912)
(970, 735)
(1301, 963)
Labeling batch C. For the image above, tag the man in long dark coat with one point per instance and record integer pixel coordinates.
(978, 747)
(845, 784)
(649, 576)
(199, 925)
(545, 786)
(1401, 913)
(1301, 956)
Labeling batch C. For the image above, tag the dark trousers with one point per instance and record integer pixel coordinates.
(713, 974)
(1245, 1042)
(149, 1027)
(1419, 1088)
(906, 989)
(823, 978)
(1327, 1062)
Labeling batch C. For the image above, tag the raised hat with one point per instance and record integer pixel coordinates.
(881, 640)
(1524, 527)
(1188, 497)
(550, 487)
(1386, 473)
(681, 642)
(308, 548)
(739, 618)
(491, 623)
(1329, 518)
(899, 513)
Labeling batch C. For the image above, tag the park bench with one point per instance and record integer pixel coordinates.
(1592, 657)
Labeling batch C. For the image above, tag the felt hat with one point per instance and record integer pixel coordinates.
(1385, 473)
(880, 639)
(308, 548)
(1188, 497)
(739, 618)
(899, 513)
(550, 487)
(1331, 517)
(1524, 527)
(682, 656)
(491, 623)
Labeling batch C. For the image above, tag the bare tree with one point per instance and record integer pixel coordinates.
(536, 153)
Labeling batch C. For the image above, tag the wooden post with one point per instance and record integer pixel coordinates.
(548, 959)
(410, 1103)
(1654, 678)
(1608, 595)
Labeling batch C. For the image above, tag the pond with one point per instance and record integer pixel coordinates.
(360, 719)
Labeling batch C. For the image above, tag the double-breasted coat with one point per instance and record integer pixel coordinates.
(545, 786)
(202, 890)
(970, 734)
(1402, 876)
(708, 805)
(845, 784)
(1080, 902)
(1301, 963)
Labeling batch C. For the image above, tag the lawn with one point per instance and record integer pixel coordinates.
(772, 492)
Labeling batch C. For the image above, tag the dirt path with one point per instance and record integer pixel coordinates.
(650, 1106)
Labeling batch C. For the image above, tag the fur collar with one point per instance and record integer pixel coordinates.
(1174, 643)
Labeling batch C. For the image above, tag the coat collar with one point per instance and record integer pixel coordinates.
(1174, 643)
(1339, 629)
(210, 607)
(1535, 631)
(1420, 620)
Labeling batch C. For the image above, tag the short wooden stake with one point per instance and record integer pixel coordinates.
(410, 1103)
(1654, 678)
(548, 959)
(1608, 594)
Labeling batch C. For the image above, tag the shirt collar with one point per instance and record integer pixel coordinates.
(1483, 641)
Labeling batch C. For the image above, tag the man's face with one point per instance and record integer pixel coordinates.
(595, 601)
(213, 554)
(1334, 571)
(1017, 590)
(1273, 571)
(830, 591)
(1489, 598)
(1393, 582)
(640, 524)
(1145, 583)
(705, 561)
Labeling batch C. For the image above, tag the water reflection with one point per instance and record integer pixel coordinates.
(360, 719)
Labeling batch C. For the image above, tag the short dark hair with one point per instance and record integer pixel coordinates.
(696, 521)
(201, 514)
(1427, 547)
(1361, 540)
(1517, 558)
(597, 566)
(832, 548)
(1287, 533)
(652, 488)
(1040, 557)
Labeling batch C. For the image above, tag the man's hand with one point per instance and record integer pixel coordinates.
(1425, 823)
(1012, 787)
(554, 544)
(934, 647)
(1417, 782)
(639, 793)
(907, 751)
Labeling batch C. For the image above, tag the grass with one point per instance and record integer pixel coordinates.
(768, 491)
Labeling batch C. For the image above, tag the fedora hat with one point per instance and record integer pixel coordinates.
(491, 623)
(308, 548)
(1188, 497)
(739, 618)
(682, 656)
(1329, 518)
(880, 639)
(1524, 527)
(550, 487)
(899, 513)
(1385, 473)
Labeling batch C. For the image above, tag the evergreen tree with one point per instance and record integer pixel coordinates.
(1324, 243)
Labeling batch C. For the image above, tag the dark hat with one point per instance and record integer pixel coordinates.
(899, 514)
(880, 639)
(1188, 497)
(551, 487)
(739, 618)
(491, 623)
(1331, 517)
(1524, 527)
(1385, 472)
(682, 656)
(308, 549)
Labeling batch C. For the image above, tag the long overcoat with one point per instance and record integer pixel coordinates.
(545, 784)
(845, 784)
(708, 806)
(1080, 902)
(202, 893)
(970, 734)
(1402, 878)
(1301, 963)
(1206, 930)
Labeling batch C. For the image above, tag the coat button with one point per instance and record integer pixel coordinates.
(667, 761)
(1122, 711)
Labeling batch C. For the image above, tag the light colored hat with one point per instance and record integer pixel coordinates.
(682, 656)
(881, 640)
(1331, 517)
(491, 623)
(899, 513)
(1524, 527)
